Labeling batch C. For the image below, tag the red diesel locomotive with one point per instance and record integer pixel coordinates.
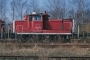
(40, 25)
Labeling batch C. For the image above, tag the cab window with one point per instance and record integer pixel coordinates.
(36, 18)
(30, 18)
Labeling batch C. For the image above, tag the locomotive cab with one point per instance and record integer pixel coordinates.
(36, 23)
(40, 24)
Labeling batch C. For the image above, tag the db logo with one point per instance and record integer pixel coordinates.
(37, 26)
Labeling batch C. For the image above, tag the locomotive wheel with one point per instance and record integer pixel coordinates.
(40, 38)
(53, 38)
(35, 38)
(44, 38)
(59, 38)
(29, 39)
(66, 38)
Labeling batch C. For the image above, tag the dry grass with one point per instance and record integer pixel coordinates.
(12, 49)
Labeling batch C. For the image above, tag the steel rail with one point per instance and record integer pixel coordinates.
(48, 45)
(55, 45)
(47, 56)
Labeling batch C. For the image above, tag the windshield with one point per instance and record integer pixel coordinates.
(37, 17)
(30, 18)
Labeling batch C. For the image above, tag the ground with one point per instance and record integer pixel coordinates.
(10, 49)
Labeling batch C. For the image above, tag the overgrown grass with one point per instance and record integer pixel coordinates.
(11, 49)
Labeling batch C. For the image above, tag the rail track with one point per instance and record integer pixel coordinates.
(56, 45)
(43, 58)
(48, 45)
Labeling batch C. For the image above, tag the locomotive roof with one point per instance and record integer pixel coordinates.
(33, 14)
(40, 14)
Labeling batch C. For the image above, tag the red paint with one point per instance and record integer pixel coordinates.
(44, 25)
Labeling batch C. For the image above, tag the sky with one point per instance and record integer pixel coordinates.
(42, 4)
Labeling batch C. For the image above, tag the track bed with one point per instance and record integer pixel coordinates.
(38, 49)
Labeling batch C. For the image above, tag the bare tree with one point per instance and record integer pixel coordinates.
(78, 13)
(20, 8)
(34, 6)
(57, 8)
(13, 9)
(3, 8)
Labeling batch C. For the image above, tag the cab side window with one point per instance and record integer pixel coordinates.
(30, 18)
(36, 18)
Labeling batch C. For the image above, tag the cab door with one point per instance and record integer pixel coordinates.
(37, 24)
